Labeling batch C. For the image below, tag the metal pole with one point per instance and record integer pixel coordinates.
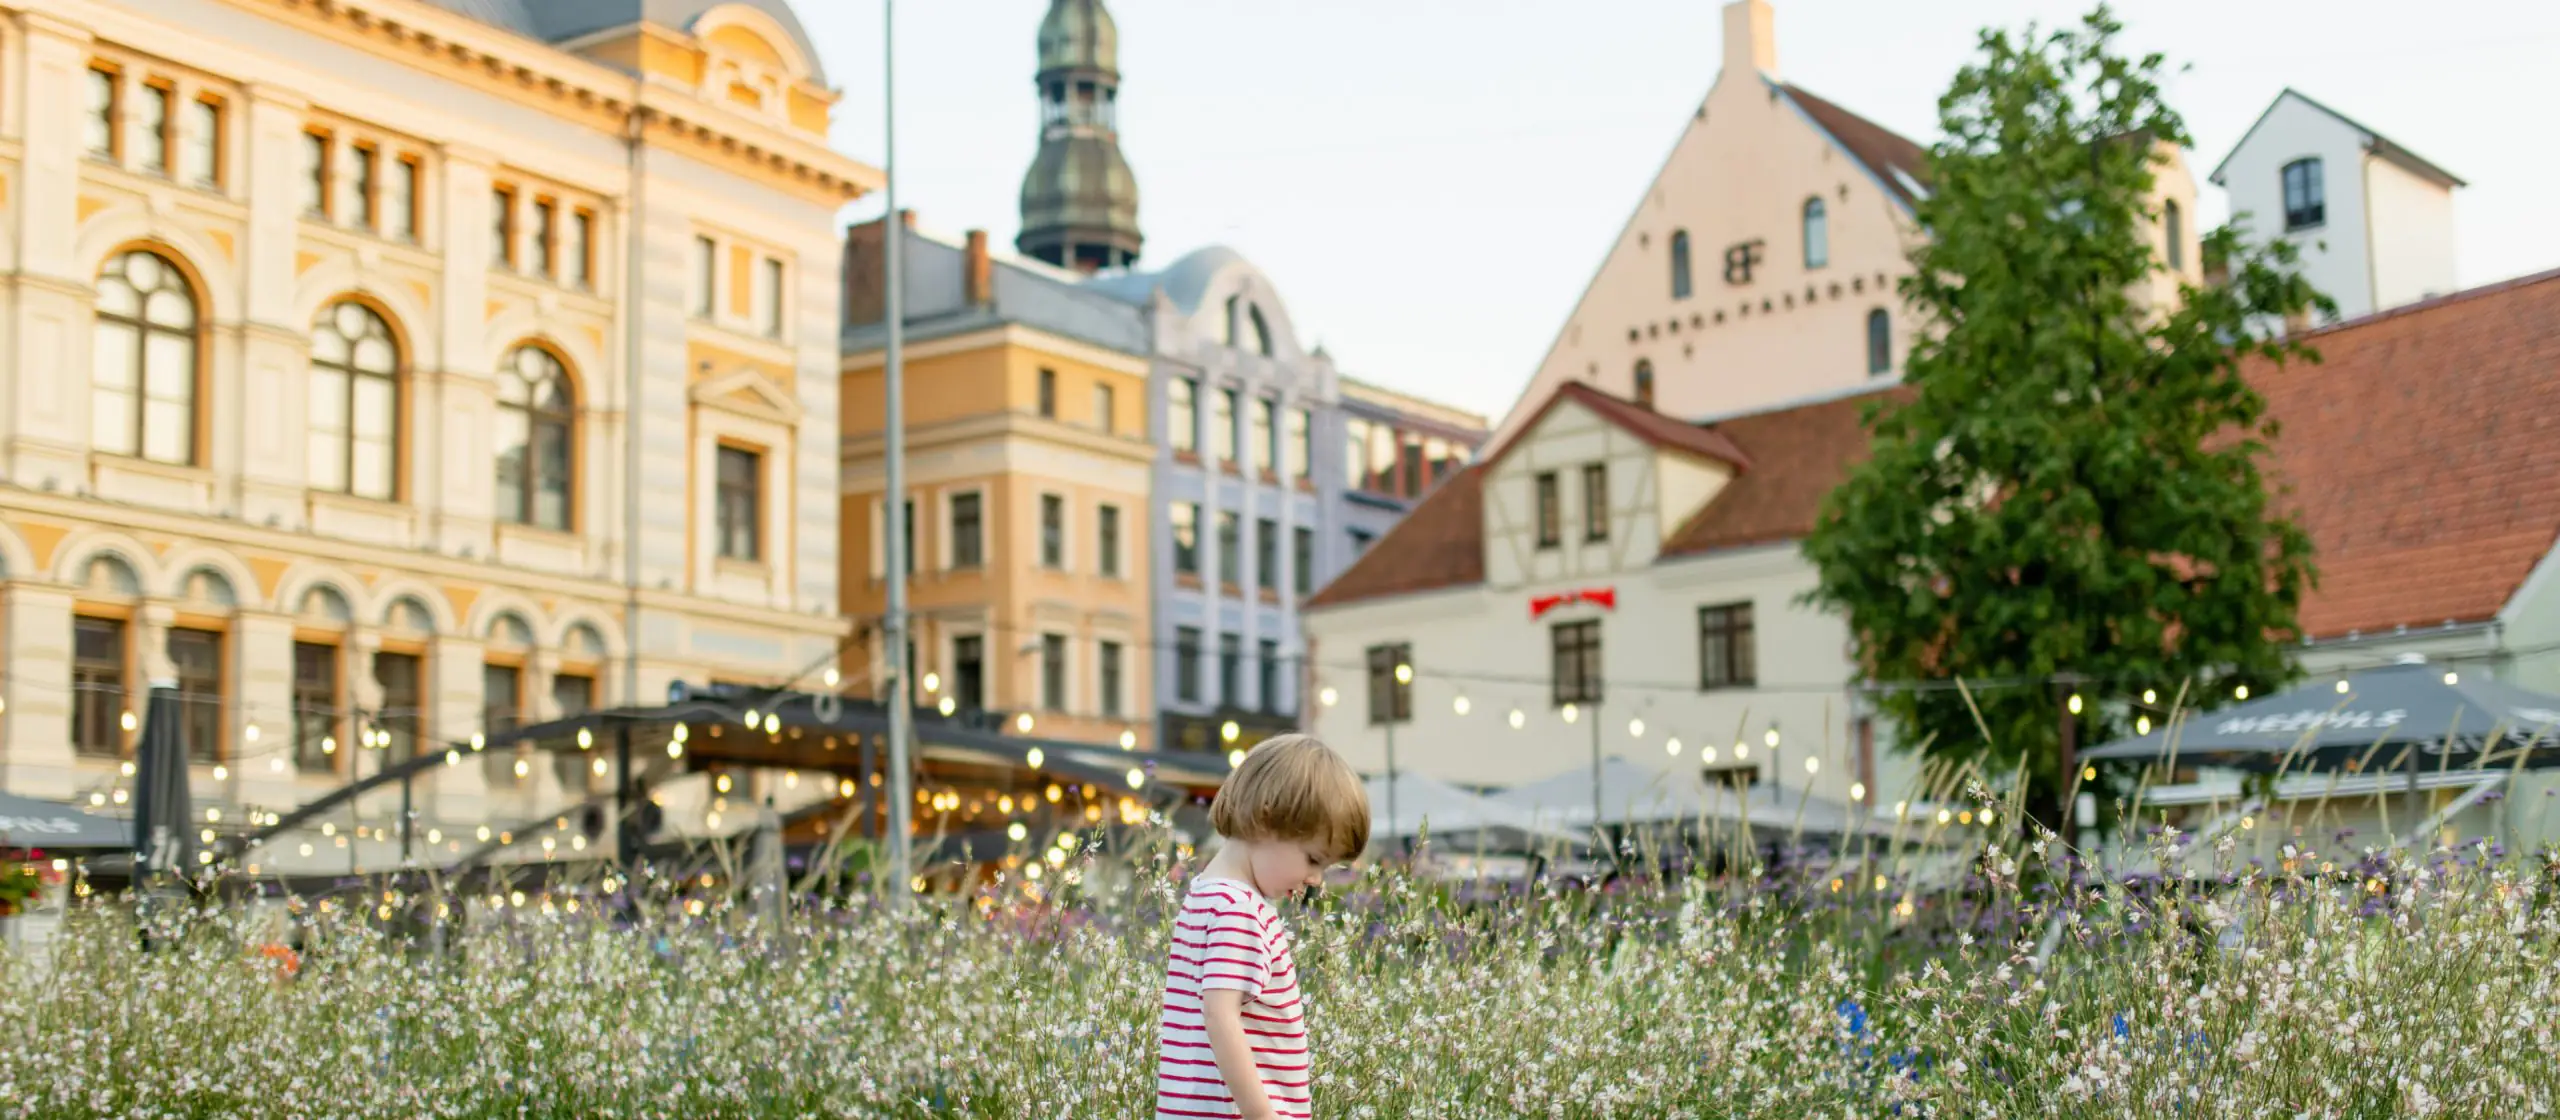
(408, 812)
(623, 839)
(1597, 828)
(1391, 774)
(893, 421)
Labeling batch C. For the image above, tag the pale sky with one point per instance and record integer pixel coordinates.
(1430, 183)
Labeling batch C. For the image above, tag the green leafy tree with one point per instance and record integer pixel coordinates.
(2071, 487)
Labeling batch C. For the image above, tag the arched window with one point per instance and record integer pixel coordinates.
(1261, 331)
(1679, 264)
(325, 604)
(2174, 227)
(409, 616)
(143, 362)
(1644, 382)
(108, 573)
(509, 630)
(355, 402)
(1817, 234)
(1879, 343)
(535, 410)
(206, 587)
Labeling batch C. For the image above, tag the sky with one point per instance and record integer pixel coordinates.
(1431, 183)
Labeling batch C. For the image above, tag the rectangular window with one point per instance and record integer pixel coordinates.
(501, 698)
(198, 656)
(1266, 667)
(1106, 541)
(1595, 502)
(153, 127)
(1725, 657)
(1266, 554)
(1186, 537)
(1302, 554)
(1577, 662)
(368, 202)
(1381, 477)
(1435, 455)
(400, 200)
(1266, 436)
(97, 686)
(315, 174)
(98, 124)
(581, 253)
(1355, 453)
(1103, 418)
(969, 671)
(1230, 550)
(1182, 415)
(1411, 476)
(1230, 670)
(907, 522)
(1053, 532)
(1391, 683)
(1186, 664)
(706, 276)
(1053, 672)
(769, 298)
(316, 719)
(573, 693)
(1360, 540)
(1049, 394)
(502, 227)
(1550, 516)
(2306, 197)
(1222, 433)
(401, 676)
(740, 504)
(546, 238)
(200, 145)
(968, 528)
(1107, 678)
(1300, 454)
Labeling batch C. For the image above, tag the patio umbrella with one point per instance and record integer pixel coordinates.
(163, 831)
(28, 823)
(1456, 819)
(2438, 716)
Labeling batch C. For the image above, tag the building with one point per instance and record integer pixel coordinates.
(1759, 265)
(1395, 448)
(2373, 221)
(1079, 199)
(1610, 544)
(344, 342)
(1028, 474)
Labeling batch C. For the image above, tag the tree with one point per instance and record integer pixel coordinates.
(2070, 489)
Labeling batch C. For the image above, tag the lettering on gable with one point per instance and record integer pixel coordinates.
(1739, 259)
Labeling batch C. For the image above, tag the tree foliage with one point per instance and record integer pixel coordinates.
(2071, 488)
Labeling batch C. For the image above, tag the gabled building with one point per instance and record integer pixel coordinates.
(2372, 219)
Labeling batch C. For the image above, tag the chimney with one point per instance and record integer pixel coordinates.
(1750, 44)
(977, 273)
(865, 283)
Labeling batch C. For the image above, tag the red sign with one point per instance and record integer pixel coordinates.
(1605, 598)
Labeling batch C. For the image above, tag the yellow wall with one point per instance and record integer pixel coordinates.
(999, 377)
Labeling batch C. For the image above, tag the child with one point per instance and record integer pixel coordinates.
(1234, 1034)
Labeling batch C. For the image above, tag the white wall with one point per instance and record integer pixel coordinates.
(2333, 253)
(2411, 225)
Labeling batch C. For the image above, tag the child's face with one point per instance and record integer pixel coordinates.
(1285, 867)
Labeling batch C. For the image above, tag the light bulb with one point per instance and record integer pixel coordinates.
(1707, 756)
(328, 828)
(328, 744)
(721, 783)
(2240, 693)
(2074, 703)
(1235, 759)
(932, 681)
(772, 724)
(1459, 705)
(711, 820)
(1518, 718)
(125, 768)
(1137, 778)
(1404, 675)
(2248, 823)
(2150, 697)
(1128, 739)
(844, 787)
(1812, 764)
(523, 768)
(1022, 723)
(221, 773)
(832, 677)
(1857, 791)
(2142, 725)
(435, 836)
(586, 739)
(1945, 816)
(1771, 737)
(276, 765)
(946, 705)
(1741, 750)
(1901, 809)
(1327, 696)
(790, 778)
(453, 758)
(250, 732)
(119, 797)
(306, 848)
(213, 815)
(1571, 713)
(2453, 678)
(1034, 757)
(483, 834)
(2089, 773)
(681, 733)
(675, 748)
(480, 740)
(1015, 832)
(97, 799)
(1986, 818)
(1671, 746)
(1635, 728)
(129, 721)
(1228, 731)
(2342, 686)
(599, 768)
(754, 717)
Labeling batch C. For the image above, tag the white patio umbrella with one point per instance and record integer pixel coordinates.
(1455, 819)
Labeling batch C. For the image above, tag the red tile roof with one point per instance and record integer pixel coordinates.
(1641, 422)
(1439, 543)
(1798, 455)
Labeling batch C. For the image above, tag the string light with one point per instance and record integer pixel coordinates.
(1235, 759)
(2150, 697)
(125, 768)
(1052, 793)
(483, 834)
(721, 783)
(675, 747)
(97, 799)
(1137, 778)
(480, 740)
(1741, 751)
(599, 768)
(1986, 818)
(2240, 693)
(1707, 755)
(681, 733)
(2142, 725)
(844, 787)
(932, 681)
(119, 797)
(1635, 728)
(523, 768)
(1128, 739)
(1671, 746)
(1518, 718)
(1459, 704)
(1812, 764)
(2074, 703)
(1228, 731)
(1857, 791)
(2089, 773)
(586, 739)
(772, 724)
(328, 828)
(221, 773)
(453, 758)
(2248, 823)
(1035, 756)
(1404, 675)
(1901, 811)
(213, 815)
(1965, 817)
(1771, 737)
(2342, 686)
(1022, 723)
(832, 677)
(276, 764)
(435, 836)
(1015, 832)
(754, 717)
(250, 732)
(946, 706)
(790, 778)
(128, 721)
(1327, 696)
(1571, 713)
(2453, 678)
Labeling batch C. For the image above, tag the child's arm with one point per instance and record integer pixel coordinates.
(1222, 1011)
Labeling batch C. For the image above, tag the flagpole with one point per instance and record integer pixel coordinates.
(894, 503)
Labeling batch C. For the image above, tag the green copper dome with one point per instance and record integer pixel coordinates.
(1079, 201)
(1079, 35)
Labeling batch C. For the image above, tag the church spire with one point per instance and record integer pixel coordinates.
(1079, 201)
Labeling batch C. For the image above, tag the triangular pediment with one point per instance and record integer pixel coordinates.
(748, 392)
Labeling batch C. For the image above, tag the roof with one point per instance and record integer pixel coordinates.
(1901, 165)
(2374, 142)
(1403, 404)
(1798, 455)
(558, 21)
(1440, 543)
(1185, 281)
(1643, 423)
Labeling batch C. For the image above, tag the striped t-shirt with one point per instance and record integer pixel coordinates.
(1228, 936)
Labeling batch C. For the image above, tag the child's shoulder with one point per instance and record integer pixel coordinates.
(1224, 894)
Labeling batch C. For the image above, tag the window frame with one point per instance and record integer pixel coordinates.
(163, 93)
(1182, 416)
(546, 237)
(409, 176)
(1575, 662)
(1879, 343)
(215, 113)
(1107, 540)
(144, 330)
(727, 493)
(1223, 442)
(195, 693)
(1266, 554)
(1045, 393)
(776, 311)
(1549, 510)
(1230, 668)
(1595, 502)
(1110, 677)
(319, 742)
(1299, 452)
(535, 415)
(968, 547)
(113, 111)
(1186, 664)
(1263, 439)
(705, 305)
(2173, 237)
(403, 723)
(1303, 557)
(1727, 655)
(1644, 383)
(320, 176)
(1683, 283)
(1814, 227)
(969, 668)
(1053, 530)
(365, 160)
(502, 228)
(394, 381)
(1390, 700)
(1266, 676)
(2312, 211)
(1106, 403)
(101, 689)
(1183, 519)
(1054, 684)
(582, 262)
(1230, 531)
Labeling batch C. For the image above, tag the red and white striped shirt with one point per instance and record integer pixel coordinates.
(1228, 936)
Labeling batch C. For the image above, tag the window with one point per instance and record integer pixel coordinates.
(1382, 459)
(1234, 305)
(1230, 670)
(1390, 683)
(403, 699)
(501, 698)
(907, 542)
(1817, 234)
(1725, 658)
(1879, 343)
(1261, 331)
(1577, 662)
(1266, 667)
(1103, 413)
(1300, 454)
(968, 527)
(1680, 264)
(1644, 382)
(198, 656)
(1415, 479)
(1223, 434)
(315, 175)
(739, 504)
(768, 296)
(1107, 678)
(2173, 232)
(1550, 513)
(1053, 532)
(97, 686)
(153, 128)
(1266, 434)
(502, 227)
(1436, 460)
(1360, 541)
(535, 413)
(200, 144)
(1266, 554)
(400, 200)
(1355, 453)
(1303, 554)
(1106, 540)
(1186, 537)
(582, 249)
(1186, 664)
(99, 122)
(1053, 672)
(315, 706)
(1230, 550)
(355, 403)
(143, 361)
(1182, 415)
(573, 693)
(368, 163)
(546, 238)
(969, 671)
(706, 276)
(1595, 502)
(2306, 198)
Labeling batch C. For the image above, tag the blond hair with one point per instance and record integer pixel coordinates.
(1293, 787)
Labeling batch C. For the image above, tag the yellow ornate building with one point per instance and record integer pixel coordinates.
(384, 371)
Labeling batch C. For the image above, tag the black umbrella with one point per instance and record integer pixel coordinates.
(28, 823)
(163, 833)
(2381, 714)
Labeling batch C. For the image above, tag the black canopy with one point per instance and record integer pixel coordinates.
(2334, 720)
(163, 828)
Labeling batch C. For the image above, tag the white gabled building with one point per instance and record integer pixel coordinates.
(2373, 220)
